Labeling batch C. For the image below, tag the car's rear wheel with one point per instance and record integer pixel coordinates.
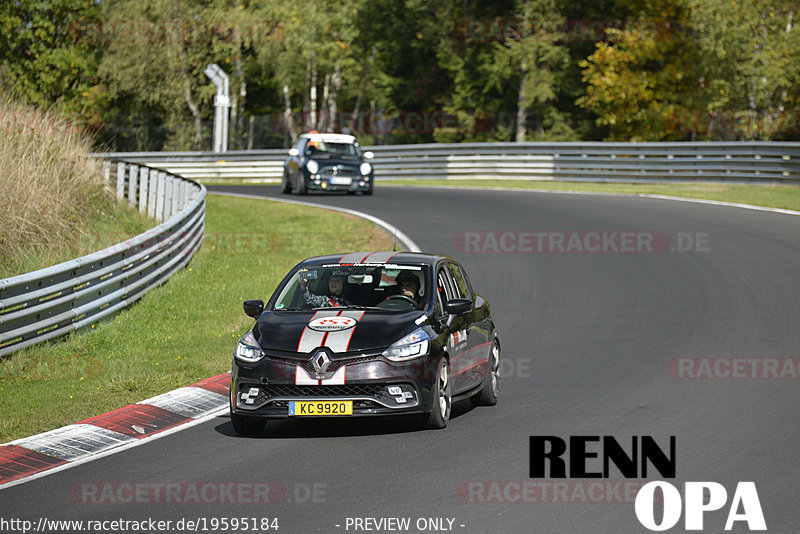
(491, 382)
(442, 398)
(247, 426)
(286, 185)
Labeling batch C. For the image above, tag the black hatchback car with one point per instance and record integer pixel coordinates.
(328, 162)
(366, 334)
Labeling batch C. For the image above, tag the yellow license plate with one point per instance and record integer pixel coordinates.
(318, 408)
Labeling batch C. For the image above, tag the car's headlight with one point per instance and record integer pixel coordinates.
(312, 166)
(414, 345)
(248, 350)
(365, 168)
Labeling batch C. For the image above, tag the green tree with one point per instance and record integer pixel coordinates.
(48, 55)
(643, 79)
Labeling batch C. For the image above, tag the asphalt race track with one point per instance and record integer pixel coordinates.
(593, 342)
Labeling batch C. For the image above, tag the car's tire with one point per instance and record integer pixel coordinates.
(247, 426)
(491, 382)
(369, 191)
(442, 397)
(301, 185)
(286, 184)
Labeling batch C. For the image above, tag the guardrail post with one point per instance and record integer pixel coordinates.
(120, 180)
(144, 179)
(153, 190)
(107, 173)
(176, 188)
(162, 185)
(133, 182)
(168, 197)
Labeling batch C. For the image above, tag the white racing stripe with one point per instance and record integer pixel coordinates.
(311, 339)
(301, 378)
(340, 341)
(336, 380)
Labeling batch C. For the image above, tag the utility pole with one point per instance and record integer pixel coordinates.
(222, 102)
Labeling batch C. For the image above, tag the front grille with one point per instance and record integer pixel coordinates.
(332, 367)
(322, 391)
(345, 173)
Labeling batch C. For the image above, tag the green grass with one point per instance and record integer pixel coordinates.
(107, 223)
(775, 196)
(182, 332)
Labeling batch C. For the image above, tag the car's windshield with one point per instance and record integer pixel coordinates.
(391, 287)
(322, 148)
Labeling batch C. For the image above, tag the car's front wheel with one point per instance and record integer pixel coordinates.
(301, 184)
(442, 398)
(247, 426)
(286, 185)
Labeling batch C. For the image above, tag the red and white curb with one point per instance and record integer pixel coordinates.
(57, 449)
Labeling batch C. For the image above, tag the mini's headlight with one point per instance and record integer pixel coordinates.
(312, 166)
(248, 350)
(414, 345)
(365, 168)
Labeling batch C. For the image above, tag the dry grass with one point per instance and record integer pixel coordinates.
(50, 190)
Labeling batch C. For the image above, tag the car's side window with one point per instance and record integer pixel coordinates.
(461, 284)
(438, 306)
(445, 286)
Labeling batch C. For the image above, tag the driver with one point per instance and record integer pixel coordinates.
(409, 286)
(336, 284)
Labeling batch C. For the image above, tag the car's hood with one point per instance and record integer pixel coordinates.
(339, 330)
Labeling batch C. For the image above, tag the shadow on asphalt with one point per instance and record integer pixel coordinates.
(321, 427)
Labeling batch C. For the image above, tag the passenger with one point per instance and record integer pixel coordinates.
(336, 286)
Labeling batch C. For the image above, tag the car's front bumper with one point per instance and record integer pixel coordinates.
(357, 183)
(374, 385)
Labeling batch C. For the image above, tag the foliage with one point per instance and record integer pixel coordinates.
(409, 70)
(707, 70)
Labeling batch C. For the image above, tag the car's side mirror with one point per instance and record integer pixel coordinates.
(294, 152)
(459, 306)
(369, 154)
(253, 308)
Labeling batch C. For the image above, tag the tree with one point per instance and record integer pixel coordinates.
(643, 77)
(48, 54)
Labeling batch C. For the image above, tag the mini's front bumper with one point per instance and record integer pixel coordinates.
(351, 183)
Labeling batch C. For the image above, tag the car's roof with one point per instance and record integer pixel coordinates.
(330, 138)
(373, 257)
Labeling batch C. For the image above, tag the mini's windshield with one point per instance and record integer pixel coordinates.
(322, 148)
(381, 286)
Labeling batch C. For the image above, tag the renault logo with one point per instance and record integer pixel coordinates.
(320, 361)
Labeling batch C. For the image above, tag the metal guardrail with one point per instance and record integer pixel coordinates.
(742, 162)
(51, 302)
